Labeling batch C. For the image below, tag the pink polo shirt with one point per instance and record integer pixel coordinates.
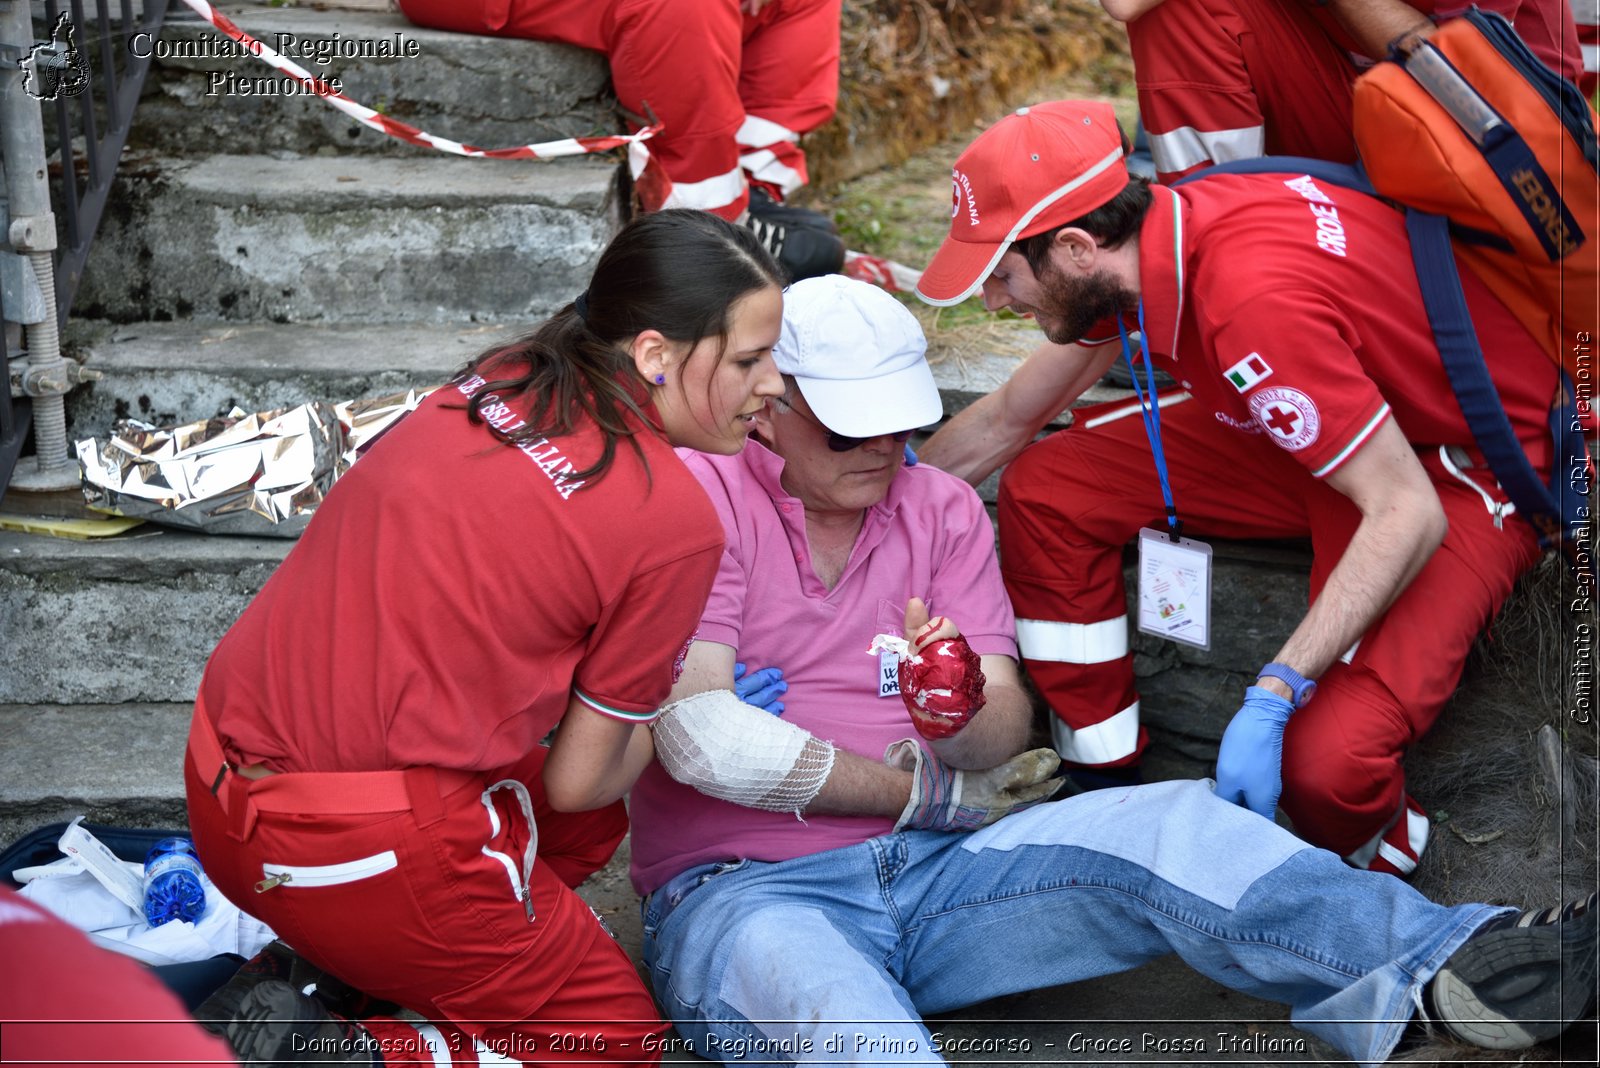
(930, 537)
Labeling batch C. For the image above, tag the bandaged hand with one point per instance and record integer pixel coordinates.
(945, 799)
(941, 678)
(1250, 761)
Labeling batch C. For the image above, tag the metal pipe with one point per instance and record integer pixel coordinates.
(32, 231)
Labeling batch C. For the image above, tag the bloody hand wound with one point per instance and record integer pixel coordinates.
(942, 687)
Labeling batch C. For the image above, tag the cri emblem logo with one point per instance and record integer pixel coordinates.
(961, 186)
(1288, 415)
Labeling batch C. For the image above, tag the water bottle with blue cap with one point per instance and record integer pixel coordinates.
(172, 885)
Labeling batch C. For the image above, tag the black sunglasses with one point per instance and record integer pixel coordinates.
(842, 442)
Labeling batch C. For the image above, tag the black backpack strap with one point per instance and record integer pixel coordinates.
(1350, 176)
(1556, 509)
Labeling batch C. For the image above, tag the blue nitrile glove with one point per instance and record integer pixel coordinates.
(760, 688)
(911, 455)
(1250, 762)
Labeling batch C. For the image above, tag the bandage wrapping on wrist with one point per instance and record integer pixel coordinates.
(729, 750)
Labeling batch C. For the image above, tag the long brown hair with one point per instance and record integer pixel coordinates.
(676, 271)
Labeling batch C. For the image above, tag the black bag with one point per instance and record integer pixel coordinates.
(192, 981)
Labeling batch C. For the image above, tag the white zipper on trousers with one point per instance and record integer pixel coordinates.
(519, 881)
(1496, 509)
(348, 871)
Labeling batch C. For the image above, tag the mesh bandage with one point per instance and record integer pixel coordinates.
(729, 750)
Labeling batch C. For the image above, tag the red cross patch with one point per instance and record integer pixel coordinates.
(1288, 415)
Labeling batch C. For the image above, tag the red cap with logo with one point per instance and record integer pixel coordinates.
(1030, 172)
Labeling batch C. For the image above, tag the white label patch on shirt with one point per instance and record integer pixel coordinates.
(1288, 415)
(888, 674)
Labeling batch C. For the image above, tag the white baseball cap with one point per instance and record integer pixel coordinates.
(859, 357)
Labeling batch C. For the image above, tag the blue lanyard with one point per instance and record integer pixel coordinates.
(1152, 416)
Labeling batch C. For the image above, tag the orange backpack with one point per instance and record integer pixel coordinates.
(1469, 125)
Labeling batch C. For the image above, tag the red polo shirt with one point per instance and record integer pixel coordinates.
(1291, 307)
(453, 594)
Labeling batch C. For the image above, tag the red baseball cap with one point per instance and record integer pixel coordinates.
(1030, 172)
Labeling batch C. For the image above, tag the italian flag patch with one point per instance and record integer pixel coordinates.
(1247, 372)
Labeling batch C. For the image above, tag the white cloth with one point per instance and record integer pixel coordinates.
(72, 893)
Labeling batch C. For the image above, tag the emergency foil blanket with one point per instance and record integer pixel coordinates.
(262, 474)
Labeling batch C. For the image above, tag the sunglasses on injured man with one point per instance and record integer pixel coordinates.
(842, 442)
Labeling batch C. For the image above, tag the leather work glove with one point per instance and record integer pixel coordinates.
(945, 799)
(1250, 762)
(760, 688)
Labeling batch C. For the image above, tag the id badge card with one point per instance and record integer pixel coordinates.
(1175, 588)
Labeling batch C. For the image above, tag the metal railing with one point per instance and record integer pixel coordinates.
(72, 60)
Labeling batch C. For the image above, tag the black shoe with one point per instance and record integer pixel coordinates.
(278, 961)
(800, 251)
(763, 206)
(277, 1025)
(1519, 980)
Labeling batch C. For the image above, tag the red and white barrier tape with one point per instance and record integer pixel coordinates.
(570, 146)
(892, 276)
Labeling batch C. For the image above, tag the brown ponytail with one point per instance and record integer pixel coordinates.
(676, 271)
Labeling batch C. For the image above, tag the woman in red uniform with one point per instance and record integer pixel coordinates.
(523, 553)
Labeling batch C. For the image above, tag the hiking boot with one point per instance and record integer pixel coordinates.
(1519, 979)
(802, 252)
(763, 205)
(278, 961)
(278, 1025)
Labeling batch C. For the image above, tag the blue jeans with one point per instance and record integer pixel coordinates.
(782, 961)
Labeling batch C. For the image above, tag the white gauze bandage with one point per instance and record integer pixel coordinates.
(727, 749)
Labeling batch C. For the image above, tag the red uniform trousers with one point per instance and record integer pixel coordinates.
(1070, 503)
(406, 884)
(734, 92)
(1234, 79)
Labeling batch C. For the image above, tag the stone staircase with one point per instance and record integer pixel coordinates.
(265, 250)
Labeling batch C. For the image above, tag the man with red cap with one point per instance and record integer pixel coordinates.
(1233, 79)
(734, 84)
(1313, 403)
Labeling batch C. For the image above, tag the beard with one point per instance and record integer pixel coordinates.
(1075, 304)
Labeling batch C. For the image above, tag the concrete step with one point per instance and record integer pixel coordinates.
(133, 618)
(115, 764)
(205, 92)
(167, 373)
(170, 373)
(293, 239)
(125, 619)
